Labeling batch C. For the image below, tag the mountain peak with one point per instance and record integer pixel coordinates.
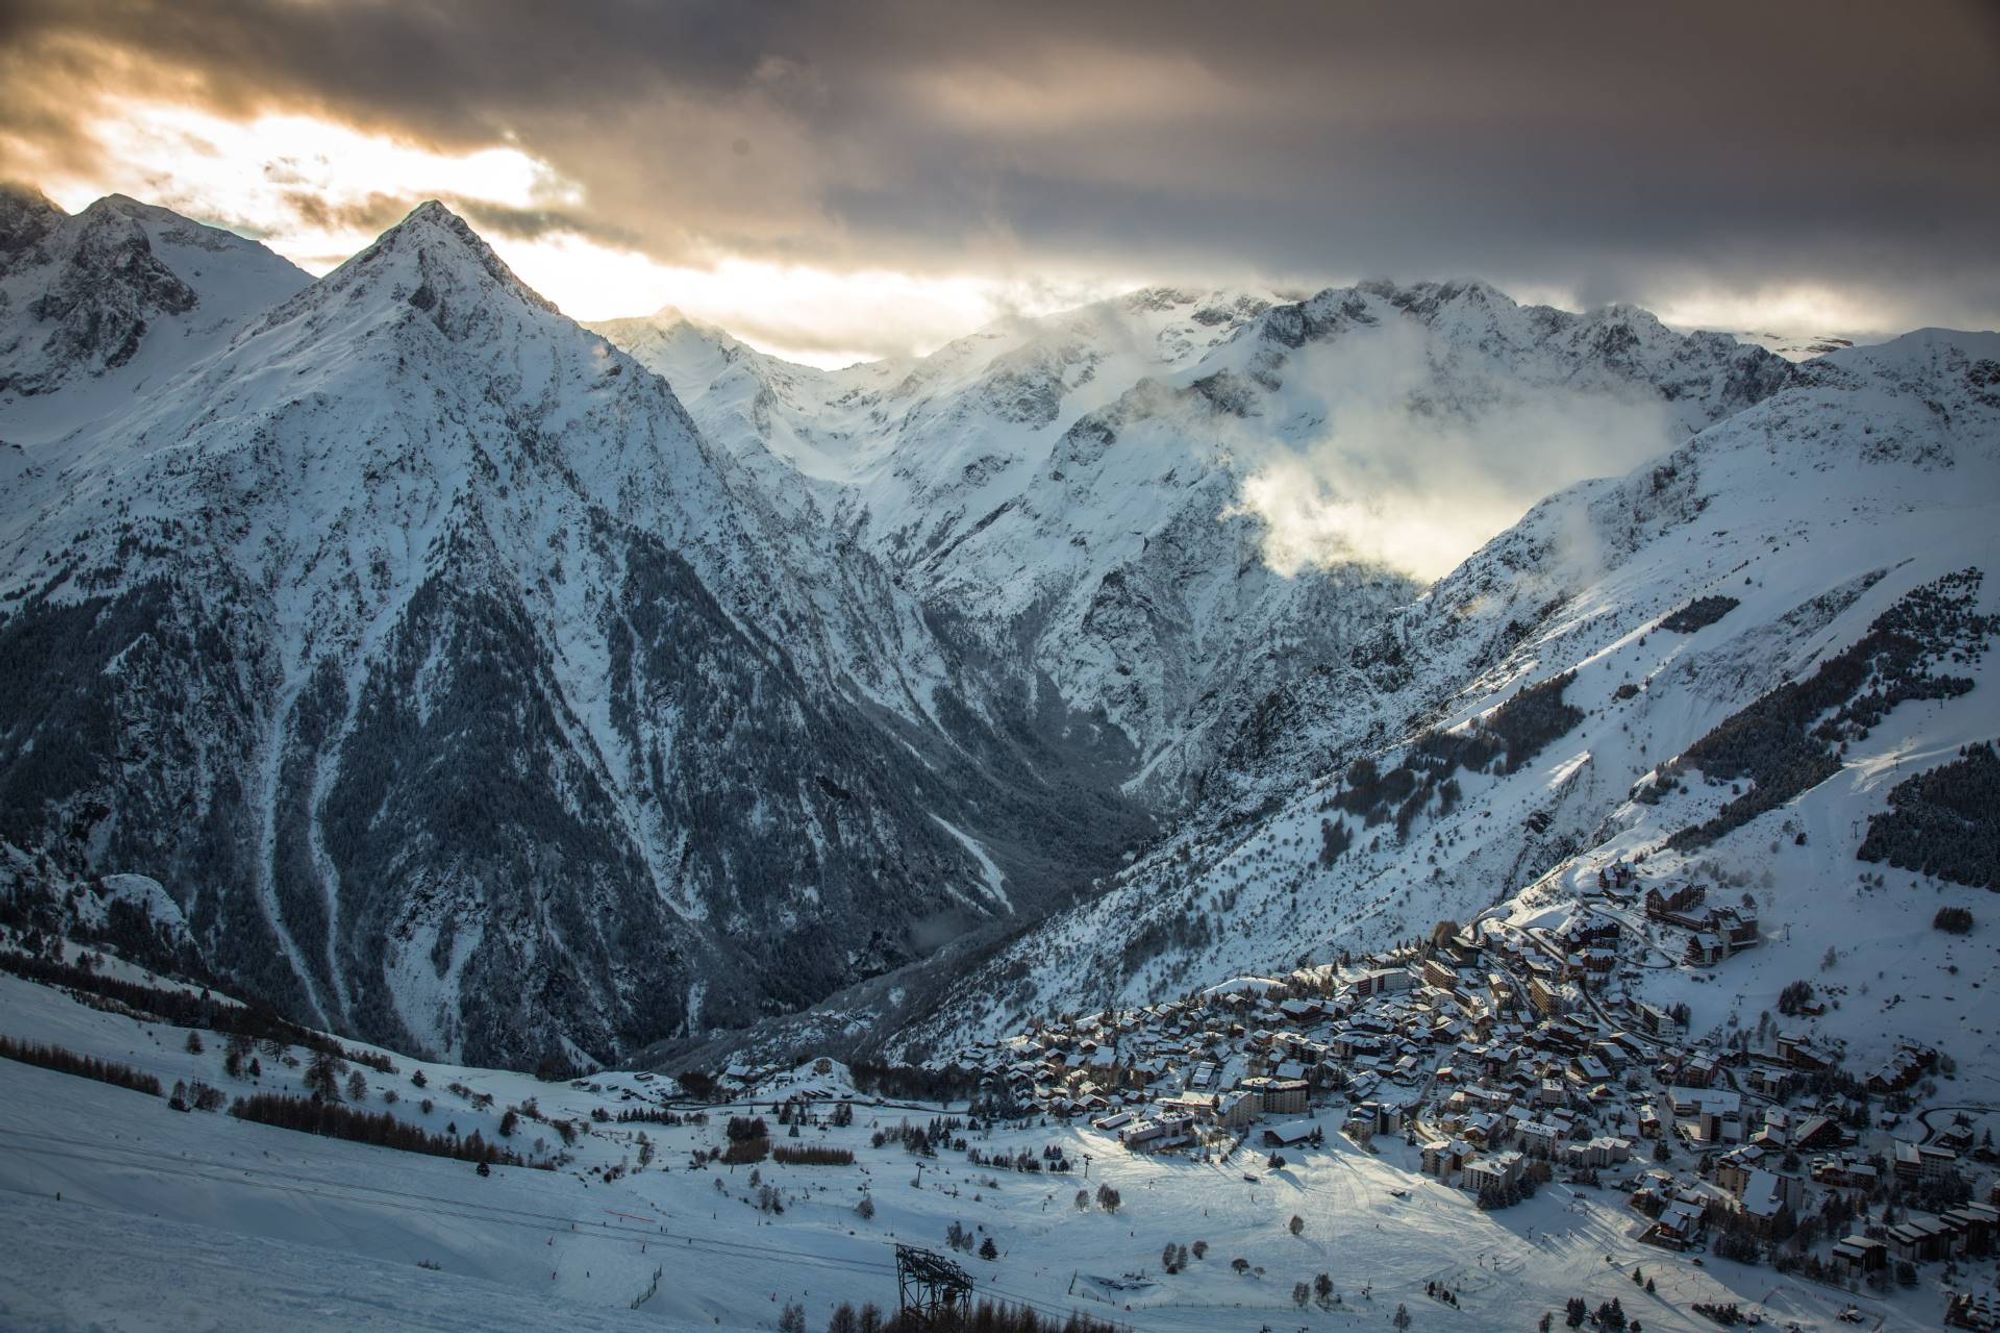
(446, 252)
(19, 197)
(1425, 300)
(431, 223)
(125, 206)
(26, 216)
(434, 210)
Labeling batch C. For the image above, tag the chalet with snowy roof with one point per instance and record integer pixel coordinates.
(1591, 932)
(1382, 1117)
(1612, 1051)
(1482, 1129)
(1956, 1136)
(1698, 1070)
(1300, 1010)
(1589, 966)
(1235, 1110)
(1910, 1063)
(1976, 1310)
(1291, 1134)
(1444, 1157)
(1733, 1169)
(1704, 949)
(1800, 1051)
(1817, 1131)
(1737, 926)
(1680, 908)
(1769, 1196)
(1678, 1225)
(1770, 1080)
(1844, 1172)
(1588, 1069)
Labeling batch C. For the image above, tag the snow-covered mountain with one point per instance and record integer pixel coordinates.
(1711, 670)
(478, 684)
(1071, 490)
(112, 301)
(466, 699)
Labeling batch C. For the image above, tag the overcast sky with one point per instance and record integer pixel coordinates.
(873, 176)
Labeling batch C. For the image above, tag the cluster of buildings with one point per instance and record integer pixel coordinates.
(1502, 1054)
(1484, 1046)
(1956, 1233)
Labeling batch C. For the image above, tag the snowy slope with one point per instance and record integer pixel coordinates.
(1816, 510)
(200, 1219)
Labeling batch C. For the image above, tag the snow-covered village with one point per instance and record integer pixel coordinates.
(999, 668)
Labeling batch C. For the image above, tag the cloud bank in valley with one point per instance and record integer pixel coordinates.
(1397, 468)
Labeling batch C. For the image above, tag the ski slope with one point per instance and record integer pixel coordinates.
(199, 1220)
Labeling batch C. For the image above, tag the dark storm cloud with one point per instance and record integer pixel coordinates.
(378, 212)
(1615, 151)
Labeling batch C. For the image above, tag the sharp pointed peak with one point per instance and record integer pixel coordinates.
(441, 239)
(433, 217)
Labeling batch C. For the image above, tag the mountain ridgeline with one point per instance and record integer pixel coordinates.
(483, 685)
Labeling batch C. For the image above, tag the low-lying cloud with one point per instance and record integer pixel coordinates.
(1403, 465)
